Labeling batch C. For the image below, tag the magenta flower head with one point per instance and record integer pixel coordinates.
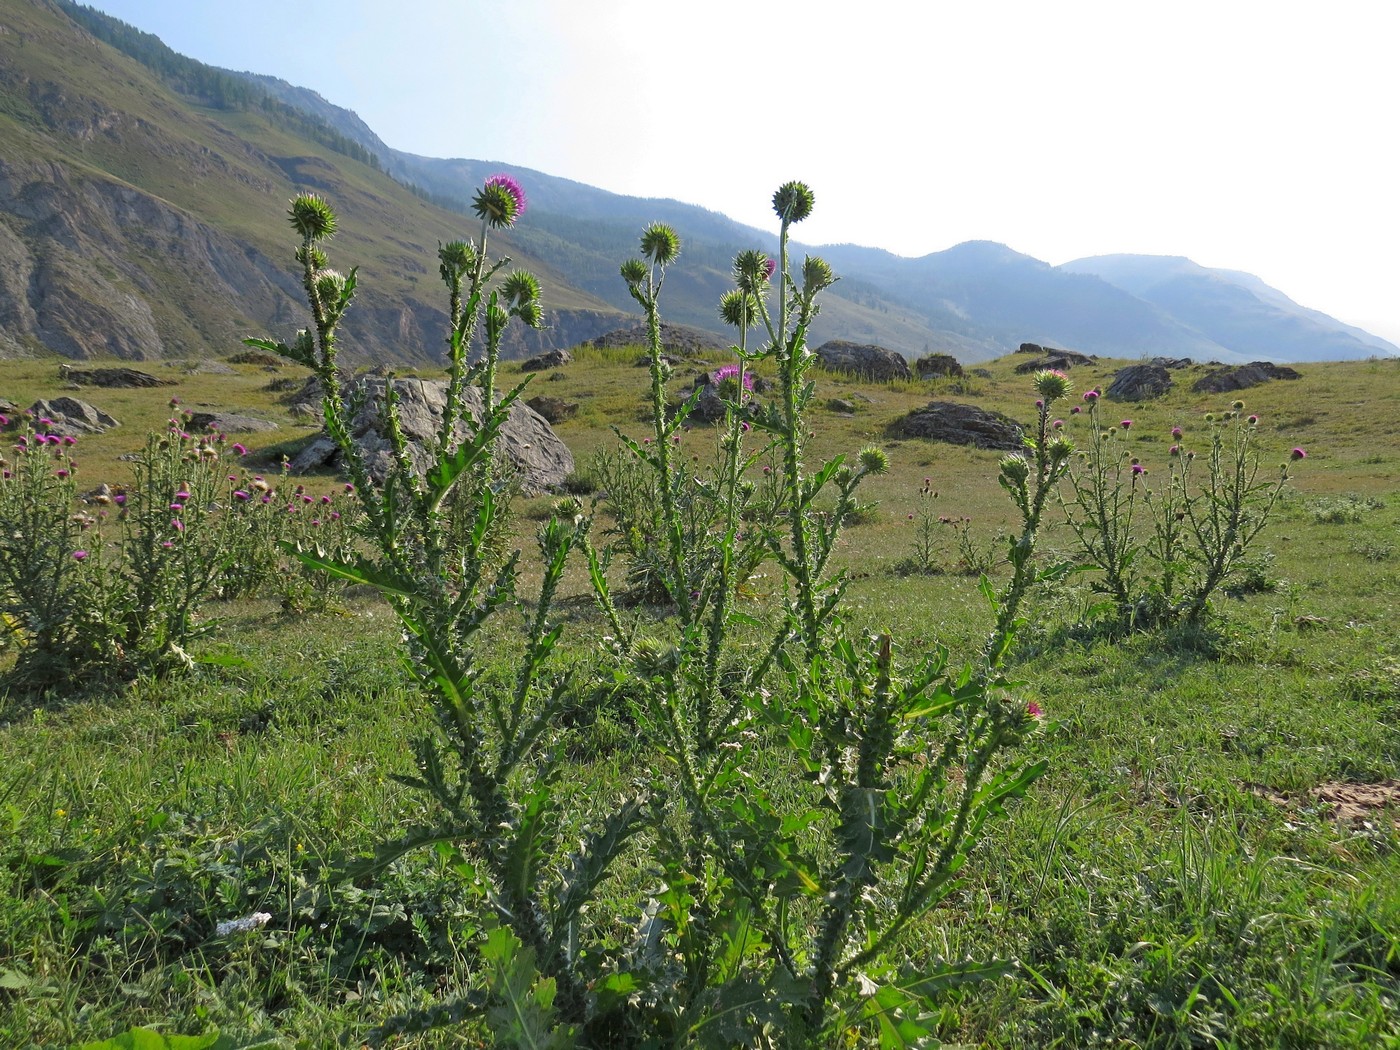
(1298, 453)
(1125, 424)
(4, 421)
(80, 555)
(770, 267)
(177, 524)
(1138, 468)
(69, 439)
(1033, 709)
(240, 495)
(239, 450)
(500, 202)
(1091, 396)
(1253, 421)
(1176, 432)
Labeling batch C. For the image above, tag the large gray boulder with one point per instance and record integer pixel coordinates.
(1242, 377)
(541, 460)
(1139, 383)
(865, 360)
(70, 416)
(960, 424)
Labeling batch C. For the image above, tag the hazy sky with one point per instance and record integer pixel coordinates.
(1258, 136)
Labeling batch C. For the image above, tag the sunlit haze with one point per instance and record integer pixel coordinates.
(1246, 135)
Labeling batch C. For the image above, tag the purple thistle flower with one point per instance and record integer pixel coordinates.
(1138, 468)
(119, 499)
(239, 494)
(62, 473)
(770, 266)
(1176, 432)
(1091, 396)
(69, 439)
(239, 450)
(1033, 709)
(1298, 453)
(325, 499)
(500, 201)
(1125, 424)
(80, 555)
(177, 524)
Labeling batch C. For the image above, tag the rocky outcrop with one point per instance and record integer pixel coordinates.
(68, 415)
(229, 423)
(1139, 383)
(678, 339)
(865, 360)
(960, 424)
(1060, 360)
(931, 365)
(541, 460)
(553, 409)
(550, 359)
(111, 377)
(1242, 377)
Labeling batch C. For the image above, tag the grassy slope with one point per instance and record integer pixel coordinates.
(1170, 882)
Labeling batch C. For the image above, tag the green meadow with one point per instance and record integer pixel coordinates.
(1210, 859)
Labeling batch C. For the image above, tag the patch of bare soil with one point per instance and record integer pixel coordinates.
(1346, 803)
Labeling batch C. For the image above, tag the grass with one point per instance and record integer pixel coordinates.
(1173, 881)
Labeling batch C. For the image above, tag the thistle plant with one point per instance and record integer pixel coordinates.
(1202, 516)
(1216, 521)
(488, 772)
(779, 909)
(1106, 485)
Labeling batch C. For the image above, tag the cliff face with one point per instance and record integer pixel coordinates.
(139, 222)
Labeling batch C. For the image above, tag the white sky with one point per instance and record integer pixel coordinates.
(1258, 135)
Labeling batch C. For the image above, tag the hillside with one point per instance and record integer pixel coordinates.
(141, 195)
(141, 222)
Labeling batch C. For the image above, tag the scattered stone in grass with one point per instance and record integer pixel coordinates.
(960, 424)
(554, 409)
(256, 357)
(1139, 383)
(111, 377)
(548, 359)
(72, 417)
(1242, 377)
(863, 359)
(228, 423)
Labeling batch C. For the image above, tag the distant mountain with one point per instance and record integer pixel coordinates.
(1234, 309)
(141, 215)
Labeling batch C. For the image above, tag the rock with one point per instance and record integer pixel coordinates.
(865, 360)
(216, 368)
(676, 338)
(931, 365)
(228, 423)
(1030, 348)
(550, 359)
(1060, 360)
(1139, 383)
(111, 377)
(533, 449)
(666, 359)
(554, 409)
(1242, 377)
(72, 417)
(960, 424)
(841, 405)
(1172, 362)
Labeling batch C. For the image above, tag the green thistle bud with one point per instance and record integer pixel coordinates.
(1238, 406)
(521, 287)
(634, 272)
(317, 257)
(794, 201)
(816, 274)
(843, 477)
(1051, 384)
(873, 460)
(330, 284)
(456, 257)
(312, 217)
(1014, 469)
(304, 346)
(661, 244)
(530, 313)
(738, 309)
(1060, 448)
(752, 270)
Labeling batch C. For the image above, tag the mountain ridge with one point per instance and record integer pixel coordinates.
(134, 180)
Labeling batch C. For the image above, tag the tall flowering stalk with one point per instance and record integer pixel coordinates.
(778, 900)
(488, 773)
